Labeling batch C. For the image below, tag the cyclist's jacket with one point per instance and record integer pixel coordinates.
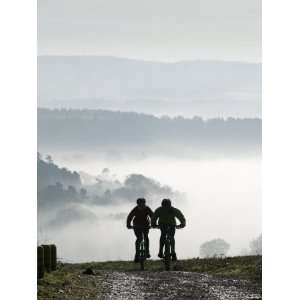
(167, 215)
(140, 217)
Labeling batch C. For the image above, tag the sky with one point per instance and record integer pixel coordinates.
(156, 30)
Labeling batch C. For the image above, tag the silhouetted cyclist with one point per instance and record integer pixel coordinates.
(166, 215)
(141, 216)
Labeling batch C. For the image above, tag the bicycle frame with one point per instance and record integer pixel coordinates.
(142, 251)
(142, 254)
(167, 247)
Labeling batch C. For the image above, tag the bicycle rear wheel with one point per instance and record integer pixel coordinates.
(167, 255)
(142, 264)
(167, 264)
(142, 255)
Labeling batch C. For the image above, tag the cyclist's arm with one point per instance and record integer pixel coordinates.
(150, 213)
(179, 215)
(130, 217)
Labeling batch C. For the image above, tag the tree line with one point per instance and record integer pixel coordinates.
(93, 128)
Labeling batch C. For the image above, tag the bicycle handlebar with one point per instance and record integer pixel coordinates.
(154, 227)
(139, 227)
(159, 226)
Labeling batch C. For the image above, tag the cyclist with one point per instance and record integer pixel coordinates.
(166, 215)
(141, 216)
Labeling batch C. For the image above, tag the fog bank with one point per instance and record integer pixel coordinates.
(222, 200)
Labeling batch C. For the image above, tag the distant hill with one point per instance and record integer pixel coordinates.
(108, 131)
(64, 198)
(49, 173)
(204, 88)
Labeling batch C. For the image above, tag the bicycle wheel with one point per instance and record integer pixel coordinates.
(167, 255)
(142, 255)
(142, 264)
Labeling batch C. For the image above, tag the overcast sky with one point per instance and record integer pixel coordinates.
(161, 30)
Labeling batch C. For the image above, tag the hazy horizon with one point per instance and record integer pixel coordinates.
(152, 61)
(190, 88)
(171, 30)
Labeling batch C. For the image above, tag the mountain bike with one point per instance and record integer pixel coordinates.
(167, 246)
(141, 251)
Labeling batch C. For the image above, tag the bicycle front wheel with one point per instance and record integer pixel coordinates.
(142, 264)
(142, 256)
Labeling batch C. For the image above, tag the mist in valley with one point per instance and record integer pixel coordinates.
(219, 197)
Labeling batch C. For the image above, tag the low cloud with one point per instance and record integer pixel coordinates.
(135, 186)
(71, 214)
(117, 216)
(60, 204)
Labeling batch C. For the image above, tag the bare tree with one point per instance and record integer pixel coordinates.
(214, 248)
(49, 159)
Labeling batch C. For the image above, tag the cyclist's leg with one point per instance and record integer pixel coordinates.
(139, 236)
(172, 242)
(162, 240)
(146, 237)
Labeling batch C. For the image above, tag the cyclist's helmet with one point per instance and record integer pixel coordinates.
(166, 203)
(141, 201)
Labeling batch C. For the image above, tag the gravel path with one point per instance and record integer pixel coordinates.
(172, 285)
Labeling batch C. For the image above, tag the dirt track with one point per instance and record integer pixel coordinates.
(172, 285)
(123, 280)
(133, 285)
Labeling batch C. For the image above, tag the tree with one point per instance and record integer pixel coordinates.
(256, 246)
(72, 191)
(49, 159)
(39, 156)
(83, 193)
(214, 248)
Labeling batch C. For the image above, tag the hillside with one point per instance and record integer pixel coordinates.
(102, 130)
(65, 198)
(48, 173)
